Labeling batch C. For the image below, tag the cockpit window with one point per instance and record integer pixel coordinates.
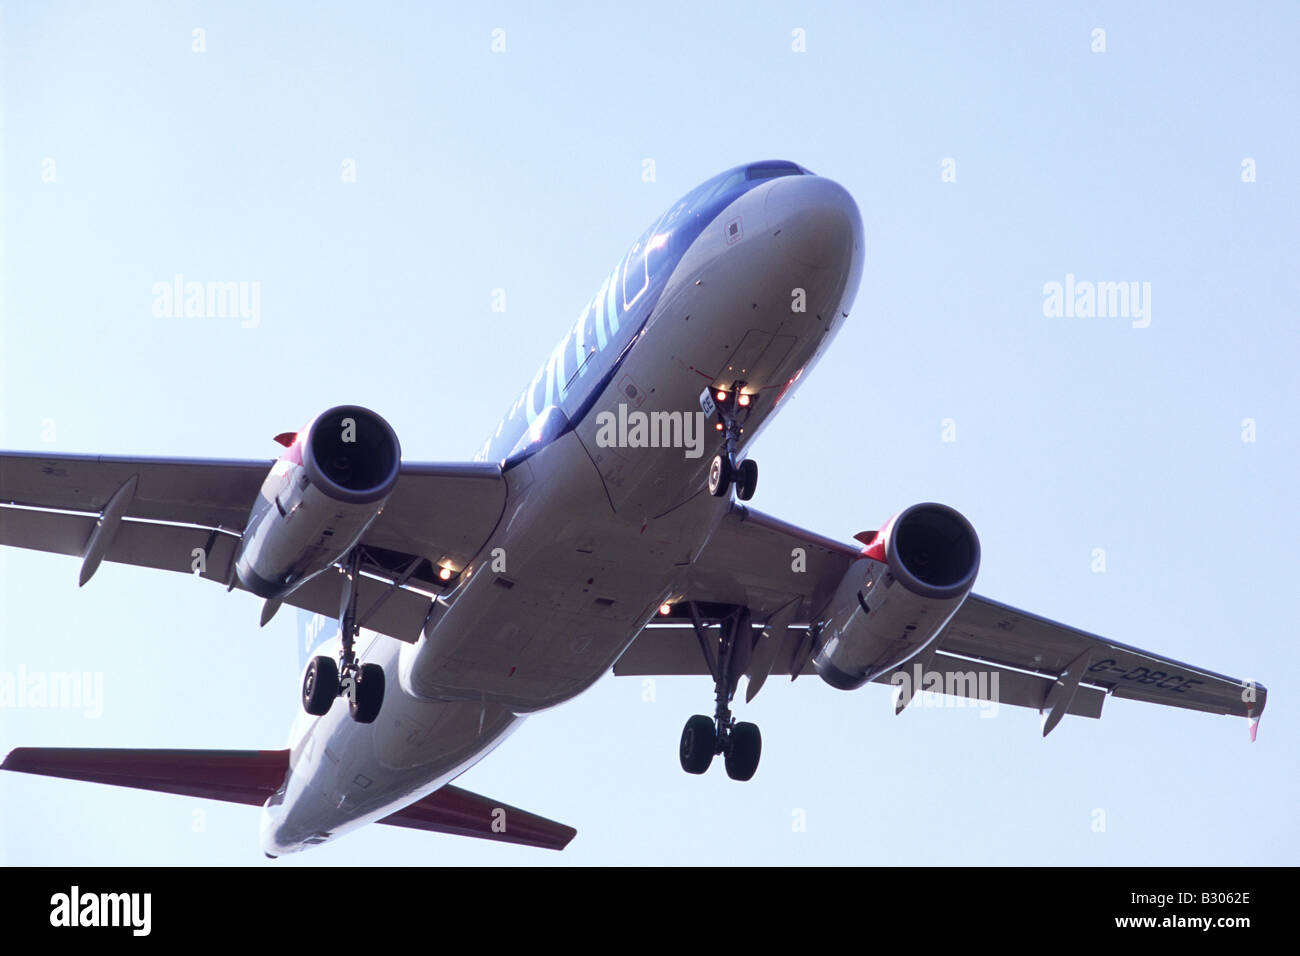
(771, 170)
(727, 183)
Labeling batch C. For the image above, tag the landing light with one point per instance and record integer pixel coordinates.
(743, 400)
(721, 396)
(665, 608)
(718, 426)
(444, 574)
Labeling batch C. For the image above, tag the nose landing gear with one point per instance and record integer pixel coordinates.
(724, 471)
(362, 684)
(704, 737)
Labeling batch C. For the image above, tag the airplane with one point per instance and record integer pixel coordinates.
(603, 526)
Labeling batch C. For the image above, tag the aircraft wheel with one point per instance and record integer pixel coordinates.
(720, 476)
(698, 741)
(746, 747)
(320, 685)
(747, 479)
(369, 694)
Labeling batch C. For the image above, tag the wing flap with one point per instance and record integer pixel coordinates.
(399, 612)
(166, 547)
(1000, 634)
(671, 650)
(962, 678)
(214, 492)
(396, 611)
(50, 531)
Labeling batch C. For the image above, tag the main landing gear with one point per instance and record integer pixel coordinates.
(724, 470)
(703, 737)
(362, 684)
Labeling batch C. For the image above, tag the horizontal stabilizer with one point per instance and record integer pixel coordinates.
(252, 776)
(233, 776)
(456, 811)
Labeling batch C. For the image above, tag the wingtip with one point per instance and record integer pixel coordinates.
(1254, 696)
(17, 760)
(24, 760)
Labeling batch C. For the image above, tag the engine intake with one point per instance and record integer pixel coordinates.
(318, 499)
(933, 551)
(352, 455)
(897, 597)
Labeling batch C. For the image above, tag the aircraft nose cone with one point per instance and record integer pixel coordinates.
(814, 220)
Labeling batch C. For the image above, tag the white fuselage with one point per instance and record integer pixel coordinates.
(595, 536)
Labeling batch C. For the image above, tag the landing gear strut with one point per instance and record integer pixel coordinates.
(724, 471)
(703, 737)
(362, 684)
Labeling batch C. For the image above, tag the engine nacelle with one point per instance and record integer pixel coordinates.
(894, 600)
(320, 496)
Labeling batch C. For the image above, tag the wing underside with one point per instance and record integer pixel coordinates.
(766, 564)
(187, 515)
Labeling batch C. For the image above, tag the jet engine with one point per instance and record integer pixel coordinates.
(895, 599)
(319, 498)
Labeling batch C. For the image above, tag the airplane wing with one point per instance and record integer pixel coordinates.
(187, 515)
(252, 776)
(780, 571)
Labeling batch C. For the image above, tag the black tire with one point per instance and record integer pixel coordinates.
(746, 479)
(720, 476)
(369, 696)
(320, 685)
(746, 748)
(699, 738)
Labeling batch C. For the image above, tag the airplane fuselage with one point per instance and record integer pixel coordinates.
(740, 286)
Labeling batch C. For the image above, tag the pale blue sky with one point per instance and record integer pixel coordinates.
(523, 170)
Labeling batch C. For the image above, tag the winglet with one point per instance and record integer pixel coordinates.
(1253, 696)
(286, 438)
